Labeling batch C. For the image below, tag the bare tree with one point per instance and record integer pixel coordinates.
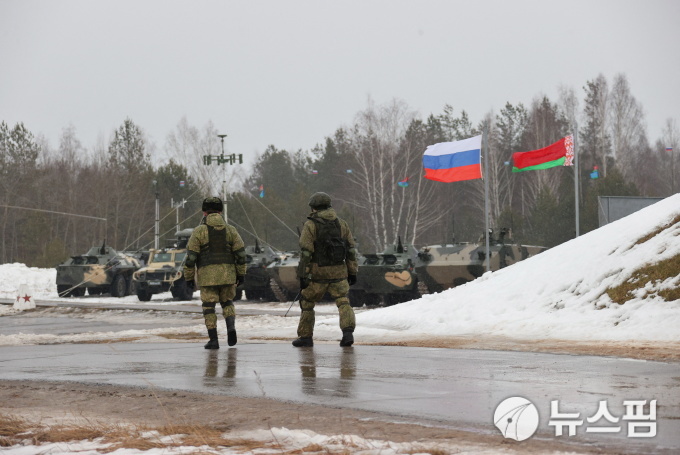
(383, 158)
(595, 140)
(626, 123)
(189, 146)
(670, 142)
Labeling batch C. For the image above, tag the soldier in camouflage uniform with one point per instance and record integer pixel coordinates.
(328, 263)
(218, 251)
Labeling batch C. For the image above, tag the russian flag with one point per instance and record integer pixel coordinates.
(454, 161)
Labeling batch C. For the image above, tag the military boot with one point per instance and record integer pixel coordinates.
(303, 342)
(213, 343)
(231, 331)
(347, 337)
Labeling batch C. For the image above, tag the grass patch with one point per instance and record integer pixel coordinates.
(108, 341)
(658, 272)
(14, 430)
(182, 336)
(658, 231)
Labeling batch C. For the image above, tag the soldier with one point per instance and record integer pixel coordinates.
(328, 263)
(218, 251)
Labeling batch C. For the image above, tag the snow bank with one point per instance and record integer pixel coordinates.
(557, 294)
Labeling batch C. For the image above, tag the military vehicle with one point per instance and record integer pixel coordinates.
(164, 270)
(441, 267)
(388, 277)
(284, 282)
(100, 270)
(257, 283)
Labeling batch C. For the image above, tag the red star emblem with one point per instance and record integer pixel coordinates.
(26, 298)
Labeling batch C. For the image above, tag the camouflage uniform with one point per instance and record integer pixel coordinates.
(217, 281)
(331, 279)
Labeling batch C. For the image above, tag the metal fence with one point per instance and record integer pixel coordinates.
(612, 208)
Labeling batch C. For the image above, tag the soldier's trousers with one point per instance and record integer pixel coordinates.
(315, 292)
(211, 296)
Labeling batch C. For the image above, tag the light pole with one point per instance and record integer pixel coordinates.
(221, 159)
(156, 236)
(224, 182)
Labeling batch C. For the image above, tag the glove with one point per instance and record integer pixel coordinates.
(303, 283)
(191, 284)
(352, 280)
(240, 279)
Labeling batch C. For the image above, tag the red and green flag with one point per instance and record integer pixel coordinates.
(561, 153)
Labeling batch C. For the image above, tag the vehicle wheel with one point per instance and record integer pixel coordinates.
(459, 282)
(269, 296)
(94, 291)
(187, 293)
(144, 295)
(118, 286)
(61, 290)
(356, 299)
(131, 286)
(78, 292)
(254, 294)
(372, 299)
(239, 295)
(180, 291)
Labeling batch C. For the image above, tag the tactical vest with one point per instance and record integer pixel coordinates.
(329, 246)
(217, 250)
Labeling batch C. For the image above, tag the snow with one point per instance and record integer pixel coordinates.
(558, 294)
(272, 441)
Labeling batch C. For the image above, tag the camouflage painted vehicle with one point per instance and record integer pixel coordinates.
(164, 271)
(442, 267)
(283, 276)
(257, 283)
(388, 277)
(99, 271)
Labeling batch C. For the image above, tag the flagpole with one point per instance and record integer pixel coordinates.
(576, 195)
(485, 148)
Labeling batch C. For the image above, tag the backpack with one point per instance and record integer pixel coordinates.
(329, 247)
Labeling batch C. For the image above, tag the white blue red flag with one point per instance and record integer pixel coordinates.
(454, 161)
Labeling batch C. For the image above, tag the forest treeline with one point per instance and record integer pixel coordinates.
(60, 201)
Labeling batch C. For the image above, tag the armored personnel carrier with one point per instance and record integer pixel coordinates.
(283, 276)
(257, 283)
(441, 267)
(164, 271)
(388, 277)
(100, 270)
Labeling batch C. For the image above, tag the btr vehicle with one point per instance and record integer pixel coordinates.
(99, 271)
(388, 277)
(257, 281)
(165, 270)
(442, 267)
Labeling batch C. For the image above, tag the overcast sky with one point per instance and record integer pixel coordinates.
(289, 73)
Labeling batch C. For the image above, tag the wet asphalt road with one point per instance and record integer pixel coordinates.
(456, 388)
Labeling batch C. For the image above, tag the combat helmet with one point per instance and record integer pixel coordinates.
(212, 204)
(320, 201)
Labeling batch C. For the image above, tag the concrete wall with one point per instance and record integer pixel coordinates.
(612, 208)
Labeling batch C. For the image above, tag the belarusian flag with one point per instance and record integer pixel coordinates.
(561, 153)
